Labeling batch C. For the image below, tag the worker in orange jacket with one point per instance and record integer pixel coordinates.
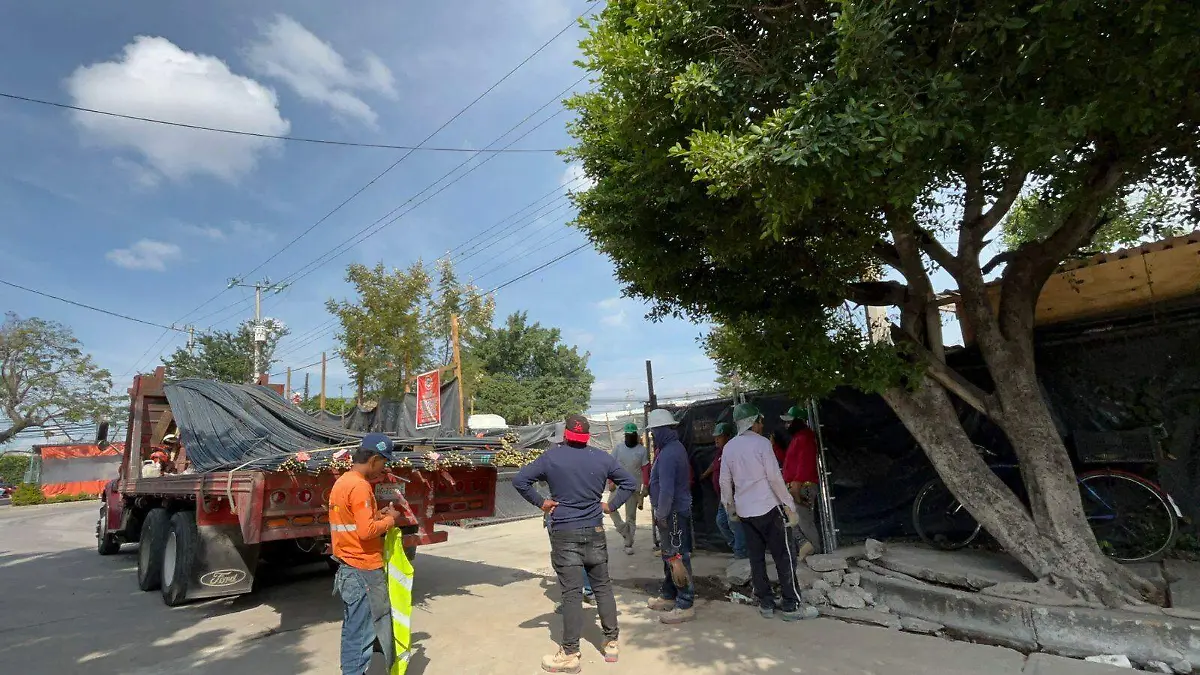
(357, 528)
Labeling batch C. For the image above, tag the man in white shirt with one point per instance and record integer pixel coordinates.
(752, 487)
(634, 458)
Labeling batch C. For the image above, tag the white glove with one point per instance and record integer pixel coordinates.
(793, 518)
(732, 514)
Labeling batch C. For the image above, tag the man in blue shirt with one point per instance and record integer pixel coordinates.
(577, 474)
(671, 496)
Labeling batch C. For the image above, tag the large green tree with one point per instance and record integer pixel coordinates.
(47, 380)
(225, 355)
(474, 309)
(760, 164)
(529, 374)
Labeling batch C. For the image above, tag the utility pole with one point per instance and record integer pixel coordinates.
(306, 387)
(260, 330)
(361, 379)
(191, 340)
(458, 374)
(650, 384)
(287, 388)
(322, 381)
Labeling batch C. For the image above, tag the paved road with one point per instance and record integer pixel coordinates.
(484, 607)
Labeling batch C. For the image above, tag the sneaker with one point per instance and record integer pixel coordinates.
(806, 549)
(561, 662)
(628, 550)
(611, 651)
(801, 613)
(677, 615)
(766, 612)
(661, 604)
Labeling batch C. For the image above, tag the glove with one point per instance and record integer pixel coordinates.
(732, 514)
(793, 518)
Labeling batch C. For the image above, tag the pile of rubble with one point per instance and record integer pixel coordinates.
(834, 588)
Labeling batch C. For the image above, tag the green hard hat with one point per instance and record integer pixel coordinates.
(630, 428)
(725, 430)
(746, 411)
(794, 413)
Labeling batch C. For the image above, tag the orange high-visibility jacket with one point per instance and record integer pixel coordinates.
(355, 526)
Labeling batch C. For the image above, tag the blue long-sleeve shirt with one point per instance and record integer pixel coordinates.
(670, 489)
(576, 477)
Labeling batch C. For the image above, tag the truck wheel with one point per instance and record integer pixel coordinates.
(410, 552)
(106, 542)
(179, 558)
(154, 534)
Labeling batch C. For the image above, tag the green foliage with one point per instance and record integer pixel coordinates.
(13, 468)
(1147, 215)
(399, 325)
(46, 378)
(334, 405)
(753, 162)
(529, 375)
(27, 494)
(225, 356)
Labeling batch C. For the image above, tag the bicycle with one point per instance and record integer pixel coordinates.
(1134, 520)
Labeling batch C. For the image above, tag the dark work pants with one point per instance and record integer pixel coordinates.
(574, 553)
(769, 532)
(676, 537)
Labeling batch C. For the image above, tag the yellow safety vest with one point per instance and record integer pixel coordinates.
(400, 585)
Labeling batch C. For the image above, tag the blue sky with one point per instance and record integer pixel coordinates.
(151, 221)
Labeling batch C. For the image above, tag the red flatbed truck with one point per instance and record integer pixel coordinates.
(203, 535)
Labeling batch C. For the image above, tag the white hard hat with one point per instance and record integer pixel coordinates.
(660, 417)
(170, 438)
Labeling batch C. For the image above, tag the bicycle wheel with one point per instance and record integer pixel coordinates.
(1132, 518)
(940, 520)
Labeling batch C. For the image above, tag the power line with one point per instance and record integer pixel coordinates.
(235, 132)
(91, 307)
(467, 243)
(541, 267)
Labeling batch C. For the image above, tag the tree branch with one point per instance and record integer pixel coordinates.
(948, 377)
(996, 261)
(936, 251)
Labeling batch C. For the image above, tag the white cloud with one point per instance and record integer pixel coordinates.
(574, 172)
(288, 52)
(154, 78)
(145, 254)
(613, 312)
(203, 231)
(238, 230)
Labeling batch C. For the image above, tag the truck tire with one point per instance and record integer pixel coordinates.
(150, 554)
(106, 542)
(179, 557)
(410, 552)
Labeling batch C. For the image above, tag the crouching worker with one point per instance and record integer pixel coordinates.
(577, 474)
(357, 528)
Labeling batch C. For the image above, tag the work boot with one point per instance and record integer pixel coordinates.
(628, 550)
(678, 616)
(661, 604)
(611, 651)
(806, 549)
(766, 612)
(561, 662)
(801, 613)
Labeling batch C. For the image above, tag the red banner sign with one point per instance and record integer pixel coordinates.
(429, 399)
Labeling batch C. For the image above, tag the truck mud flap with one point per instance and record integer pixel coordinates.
(510, 506)
(224, 565)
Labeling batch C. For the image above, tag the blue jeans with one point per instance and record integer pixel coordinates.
(366, 617)
(733, 532)
(675, 537)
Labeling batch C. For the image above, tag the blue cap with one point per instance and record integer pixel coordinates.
(379, 444)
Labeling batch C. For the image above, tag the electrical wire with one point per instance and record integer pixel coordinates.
(91, 307)
(296, 139)
(541, 267)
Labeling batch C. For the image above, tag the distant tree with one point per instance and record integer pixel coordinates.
(13, 468)
(474, 310)
(333, 405)
(529, 374)
(225, 356)
(46, 379)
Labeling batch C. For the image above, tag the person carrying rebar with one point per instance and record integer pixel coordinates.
(634, 458)
(577, 474)
(753, 491)
(671, 497)
(800, 474)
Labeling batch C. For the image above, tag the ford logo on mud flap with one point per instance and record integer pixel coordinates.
(221, 578)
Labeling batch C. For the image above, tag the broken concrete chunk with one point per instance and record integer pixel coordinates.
(814, 597)
(1118, 660)
(1159, 667)
(875, 549)
(826, 562)
(822, 585)
(883, 608)
(833, 578)
(863, 593)
(738, 572)
(1182, 667)
(862, 616)
(847, 599)
(852, 579)
(921, 626)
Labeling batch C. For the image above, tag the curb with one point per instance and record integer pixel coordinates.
(1066, 631)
